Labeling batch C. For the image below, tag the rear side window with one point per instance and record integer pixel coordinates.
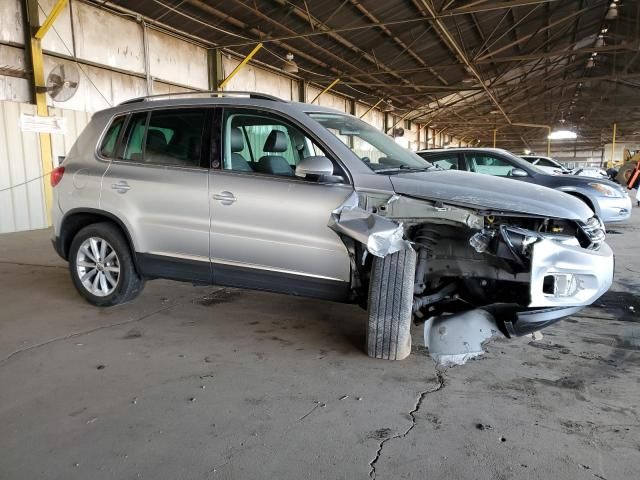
(108, 146)
(164, 137)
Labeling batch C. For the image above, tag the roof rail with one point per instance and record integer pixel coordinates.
(212, 93)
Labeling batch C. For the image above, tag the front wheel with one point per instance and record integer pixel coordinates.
(390, 305)
(102, 267)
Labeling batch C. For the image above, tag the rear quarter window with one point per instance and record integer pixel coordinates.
(110, 139)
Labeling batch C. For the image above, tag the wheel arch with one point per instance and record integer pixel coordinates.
(78, 218)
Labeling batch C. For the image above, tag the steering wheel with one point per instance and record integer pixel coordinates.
(365, 159)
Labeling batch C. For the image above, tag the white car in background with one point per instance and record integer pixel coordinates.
(546, 164)
(594, 172)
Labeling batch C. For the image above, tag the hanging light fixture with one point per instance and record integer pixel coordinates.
(612, 13)
(289, 65)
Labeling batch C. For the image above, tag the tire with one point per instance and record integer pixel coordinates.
(122, 281)
(390, 305)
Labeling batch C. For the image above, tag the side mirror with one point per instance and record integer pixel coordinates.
(314, 166)
(518, 172)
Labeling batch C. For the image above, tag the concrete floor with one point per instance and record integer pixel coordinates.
(200, 382)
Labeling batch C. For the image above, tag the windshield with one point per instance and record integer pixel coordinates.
(377, 150)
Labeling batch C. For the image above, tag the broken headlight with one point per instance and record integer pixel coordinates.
(592, 232)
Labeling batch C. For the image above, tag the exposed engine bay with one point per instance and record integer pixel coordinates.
(513, 265)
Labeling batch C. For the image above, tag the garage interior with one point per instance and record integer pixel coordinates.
(211, 382)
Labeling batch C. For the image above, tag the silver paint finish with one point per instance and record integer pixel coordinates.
(592, 269)
(164, 208)
(277, 223)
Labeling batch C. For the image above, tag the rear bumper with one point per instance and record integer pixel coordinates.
(567, 275)
(615, 209)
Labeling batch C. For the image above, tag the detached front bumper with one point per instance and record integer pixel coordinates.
(564, 274)
(615, 209)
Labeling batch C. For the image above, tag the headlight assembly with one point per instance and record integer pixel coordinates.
(606, 190)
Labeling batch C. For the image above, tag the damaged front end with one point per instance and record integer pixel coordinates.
(526, 271)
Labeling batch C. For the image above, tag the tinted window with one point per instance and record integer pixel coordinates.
(167, 137)
(133, 137)
(174, 137)
(488, 164)
(446, 161)
(256, 141)
(108, 146)
(543, 162)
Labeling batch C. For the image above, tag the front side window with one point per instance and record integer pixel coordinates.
(260, 142)
(488, 164)
(376, 149)
(164, 137)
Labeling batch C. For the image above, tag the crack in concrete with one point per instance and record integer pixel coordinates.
(86, 332)
(22, 264)
(412, 413)
(102, 327)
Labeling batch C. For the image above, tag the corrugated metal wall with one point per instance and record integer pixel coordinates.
(21, 182)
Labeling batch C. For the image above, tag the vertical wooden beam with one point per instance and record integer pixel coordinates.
(613, 144)
(214, 68)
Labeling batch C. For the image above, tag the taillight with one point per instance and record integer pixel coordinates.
(56, 175)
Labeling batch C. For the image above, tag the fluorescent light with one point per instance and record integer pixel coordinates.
(562, 135)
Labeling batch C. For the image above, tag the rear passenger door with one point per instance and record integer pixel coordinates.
(157, 184)
(268, 227)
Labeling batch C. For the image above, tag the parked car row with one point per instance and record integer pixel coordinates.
(549, 165)
(247, 190)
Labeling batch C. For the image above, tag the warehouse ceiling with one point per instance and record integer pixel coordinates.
(465, 66)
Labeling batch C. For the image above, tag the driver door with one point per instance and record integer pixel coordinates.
(268, 227)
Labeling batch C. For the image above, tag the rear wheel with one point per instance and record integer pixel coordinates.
(390, 305)
(102, 267)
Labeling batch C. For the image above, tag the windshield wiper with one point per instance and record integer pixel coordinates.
(404, 169)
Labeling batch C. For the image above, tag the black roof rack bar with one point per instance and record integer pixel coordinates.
(212, 93)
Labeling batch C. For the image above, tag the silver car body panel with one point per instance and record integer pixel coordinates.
(586, 273)
(165, 208)
(492, 193)
(277, 223)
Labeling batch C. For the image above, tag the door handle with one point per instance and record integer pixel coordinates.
(121, 186)
(226, 198)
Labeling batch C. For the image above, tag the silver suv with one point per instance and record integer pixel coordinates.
(246, 190)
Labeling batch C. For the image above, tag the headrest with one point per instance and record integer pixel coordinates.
(275, 165)
(237, 140)
(156, 140)
(276, 142)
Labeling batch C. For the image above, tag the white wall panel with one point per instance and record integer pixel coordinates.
(254, 79)
(21, 182)
(374, 117)
(177, 61)
(75, 123)
(107, 39)
(11, 21)
(21, 188)
(59, 38)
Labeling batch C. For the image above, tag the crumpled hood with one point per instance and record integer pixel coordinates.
(488, 192)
